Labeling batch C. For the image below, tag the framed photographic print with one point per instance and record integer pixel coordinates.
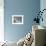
(17, 19)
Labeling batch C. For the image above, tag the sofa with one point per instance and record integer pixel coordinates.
(39, 37)
(39, 33)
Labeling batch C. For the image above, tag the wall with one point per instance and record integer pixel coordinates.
(43, 6)
(1, 20)
(19, 7)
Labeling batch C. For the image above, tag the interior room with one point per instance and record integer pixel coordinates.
(22, 22)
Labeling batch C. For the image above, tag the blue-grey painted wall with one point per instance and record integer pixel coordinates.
(28, 8)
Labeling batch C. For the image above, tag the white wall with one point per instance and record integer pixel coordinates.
(1, 20)
(43, 6)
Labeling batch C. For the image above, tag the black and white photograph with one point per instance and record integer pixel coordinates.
(17, 19)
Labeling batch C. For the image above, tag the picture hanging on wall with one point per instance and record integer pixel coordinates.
(17, 19)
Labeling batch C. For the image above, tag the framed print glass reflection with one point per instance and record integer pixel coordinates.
(17, 19)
